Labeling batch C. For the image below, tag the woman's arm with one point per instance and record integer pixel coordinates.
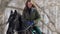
(37, 16)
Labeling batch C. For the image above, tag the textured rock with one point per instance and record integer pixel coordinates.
(50, 7)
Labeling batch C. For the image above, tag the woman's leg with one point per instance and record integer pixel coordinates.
(37, 30)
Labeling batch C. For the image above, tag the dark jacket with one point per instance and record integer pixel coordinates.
(32, 16)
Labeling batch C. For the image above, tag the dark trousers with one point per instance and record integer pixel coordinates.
(37, 30)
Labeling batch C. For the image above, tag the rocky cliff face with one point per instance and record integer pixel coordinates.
(48, 9)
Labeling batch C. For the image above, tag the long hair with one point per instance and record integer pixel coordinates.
(26, 5)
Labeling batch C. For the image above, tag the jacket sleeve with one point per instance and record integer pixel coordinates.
(37, 16)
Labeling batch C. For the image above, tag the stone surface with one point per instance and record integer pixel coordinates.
(50, 7)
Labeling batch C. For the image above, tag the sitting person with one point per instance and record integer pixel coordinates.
(30, 14)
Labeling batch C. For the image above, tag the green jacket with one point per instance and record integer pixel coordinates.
(33, 16)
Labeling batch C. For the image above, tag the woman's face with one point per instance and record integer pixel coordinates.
(29, 4)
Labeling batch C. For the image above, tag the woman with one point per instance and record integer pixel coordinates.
(30, 14)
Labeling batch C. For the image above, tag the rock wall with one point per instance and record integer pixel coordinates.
(48, 9)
